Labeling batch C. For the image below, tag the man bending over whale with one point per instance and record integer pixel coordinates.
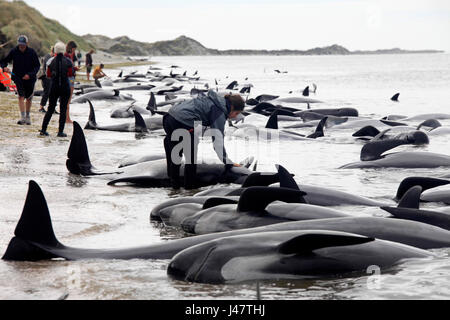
(211, 111)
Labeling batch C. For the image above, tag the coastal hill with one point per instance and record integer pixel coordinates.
(186, 46)
(18, 18)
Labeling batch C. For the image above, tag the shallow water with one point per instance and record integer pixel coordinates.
(88, 213)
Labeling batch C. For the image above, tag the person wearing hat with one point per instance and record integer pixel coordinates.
(25, 67)
(59, 69)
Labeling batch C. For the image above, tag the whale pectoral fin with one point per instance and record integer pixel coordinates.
(425, 183)
(306, 243)
(374, 149)
(217, 201)
(34, 226)
(380, 135)
(411, 199)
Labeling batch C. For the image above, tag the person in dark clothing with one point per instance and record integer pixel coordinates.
(89, 63)
(59, 70)
(79, 55)
(45, 81)
(25, 67)
(209, 111)
(70, 53)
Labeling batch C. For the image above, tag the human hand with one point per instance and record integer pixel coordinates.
(26, 77)
(236, 165)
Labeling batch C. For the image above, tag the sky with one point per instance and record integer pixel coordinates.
(263, 24)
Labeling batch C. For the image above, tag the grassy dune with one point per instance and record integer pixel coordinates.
(18, 18)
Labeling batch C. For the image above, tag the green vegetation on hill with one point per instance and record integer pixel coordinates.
(18, 18)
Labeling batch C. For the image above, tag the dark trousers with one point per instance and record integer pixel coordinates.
(170, 124)
(46, 84)
(63, 93)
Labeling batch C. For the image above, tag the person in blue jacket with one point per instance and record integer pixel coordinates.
(25, 67)
(209, 110)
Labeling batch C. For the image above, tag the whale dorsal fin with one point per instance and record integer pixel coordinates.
(286, 179)
(35, 223)
(305, 92)
(217, 201)
(306, 243)
(34, 227)
(395, 97)
(151, 105)
(92, 123)
(78, 161)
(272, 123)
(319, 129)
(139, 123)
(411, 199)
(257, 198)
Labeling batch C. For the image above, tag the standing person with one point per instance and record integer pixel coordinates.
(59, 70)
(89, 63)
(25, 67)
(98, 74)
(79, 55)
(44, 80)
(212, 111)
(70, 53)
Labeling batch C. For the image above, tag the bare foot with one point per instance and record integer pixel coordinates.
(69, 121)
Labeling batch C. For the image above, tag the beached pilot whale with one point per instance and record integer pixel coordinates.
(286, 255)
(257, 206)
(140, 124)
(271, 131)
(408, 208)
(372, 157)
(34, 238)
(150, 173)
(102, 95)
(315, 195)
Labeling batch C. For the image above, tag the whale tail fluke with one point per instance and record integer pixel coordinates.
(34, 228)
(395, 97)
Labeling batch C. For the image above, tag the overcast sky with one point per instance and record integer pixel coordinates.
(263, 24)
